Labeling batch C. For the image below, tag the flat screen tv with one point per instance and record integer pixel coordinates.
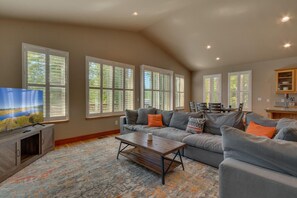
(20, 108)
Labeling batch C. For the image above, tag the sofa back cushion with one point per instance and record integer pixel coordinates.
(287, 133)
(258, 119)
(143, 115)
(166, 116)
(215, 120)
(131, 116)
(259, 130)
(277, 155)
(180, 119)
(286, 122)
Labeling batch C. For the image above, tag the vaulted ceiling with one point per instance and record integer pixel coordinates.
(238, 31)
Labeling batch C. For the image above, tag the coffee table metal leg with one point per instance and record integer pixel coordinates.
(181, 160)
(163, 170)
(119, 150)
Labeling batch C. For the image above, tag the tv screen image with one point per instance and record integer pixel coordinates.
(19, 108)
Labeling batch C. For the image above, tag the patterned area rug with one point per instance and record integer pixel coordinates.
(90, 169)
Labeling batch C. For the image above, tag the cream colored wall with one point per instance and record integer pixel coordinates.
(79, 41)
(263, 85)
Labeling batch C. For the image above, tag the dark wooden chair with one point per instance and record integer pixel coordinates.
(192, 107)
(201, 106)
(215, 107)
(240, 107)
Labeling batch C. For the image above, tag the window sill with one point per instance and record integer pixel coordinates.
(104, 116)
(55, 121)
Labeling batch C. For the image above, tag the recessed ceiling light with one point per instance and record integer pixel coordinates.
(208, 46)
(287, 45)
(285, 19)
(135, 13)
(218, 58)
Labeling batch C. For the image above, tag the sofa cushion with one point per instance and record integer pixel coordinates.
(286, 122)
(195, 125)
(287, 133)
(215, 120)
(171, 133)
(166, 116)
(140, 128)
(205, 141)
(277, 155)
(258, 119)
(131, 116)
(180, 119)
(143, 115)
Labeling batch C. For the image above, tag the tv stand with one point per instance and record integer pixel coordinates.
(23, 146)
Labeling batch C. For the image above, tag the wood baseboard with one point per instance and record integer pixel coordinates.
(86, 137)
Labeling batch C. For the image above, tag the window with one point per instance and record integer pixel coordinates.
(110, 87)
(240, 89)
(156, 86)
(179, 91)
(47, 70)
(212, 88)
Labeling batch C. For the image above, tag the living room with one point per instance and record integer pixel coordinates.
(113, 55)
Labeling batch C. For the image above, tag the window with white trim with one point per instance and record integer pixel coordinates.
(46, 69)
(179, 91)
(156, 88)
(240, 89)
(212, 90)
(110, 87)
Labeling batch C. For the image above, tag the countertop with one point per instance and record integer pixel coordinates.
(281, 109)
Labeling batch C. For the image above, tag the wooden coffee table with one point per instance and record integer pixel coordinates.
(151, 154)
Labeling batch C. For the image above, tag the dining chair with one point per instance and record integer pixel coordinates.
(215, 107)
(192, 106)
(201, 106)
(240, 107)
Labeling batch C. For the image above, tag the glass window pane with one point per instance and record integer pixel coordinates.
(57, 69)
(156, 81)
(147, 80)
(156, 99)
(167, 101)
(107, 101)
(129, 100)
(94, 74)
(44, 96)
(57, 102)
(177, 84)
(161, 85)
(177, 100)
(182, 84)
(161, 100)
(233, 99)
(182, 100)
(207, 97)
(36, 67)
(206, 85)
(94, 101)
(129, 77)
(118, 101)
(107, 76)
(147, 99)
(244, 82)
(166, 82)
(233, 83)
(119, 78)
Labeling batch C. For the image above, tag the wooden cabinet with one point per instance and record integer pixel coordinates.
(9, 155)
(47, 139)
(286, 81)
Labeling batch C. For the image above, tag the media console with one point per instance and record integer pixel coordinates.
(23, 146)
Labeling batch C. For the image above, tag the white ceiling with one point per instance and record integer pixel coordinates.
(239, 31)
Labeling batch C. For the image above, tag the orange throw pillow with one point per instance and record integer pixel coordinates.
(260, 130)
(155, 120)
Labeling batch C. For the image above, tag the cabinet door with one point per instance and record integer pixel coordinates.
(285, 81)
(48, 141)
(9, 155)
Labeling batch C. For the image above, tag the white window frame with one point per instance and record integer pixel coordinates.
(250, 88)
(212, 76)
(113, 64)
(160, 70)
(47, 51)
(175, 91)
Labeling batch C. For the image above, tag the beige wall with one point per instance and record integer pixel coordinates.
(79, 41)
(263, 85)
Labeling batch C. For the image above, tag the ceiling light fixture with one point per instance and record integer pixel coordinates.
(218, 58)
(287, 45)
(285, 19)
(208, 46)
(135, 13)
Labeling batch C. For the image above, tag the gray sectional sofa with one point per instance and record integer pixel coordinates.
(205, 147)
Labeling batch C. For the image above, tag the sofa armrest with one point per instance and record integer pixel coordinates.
(240, 179)
(123, 121)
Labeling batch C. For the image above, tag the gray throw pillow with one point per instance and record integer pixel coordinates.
(258, 119)
(287, 133)
(166, 116)
(286, 122)
(143, 115)
(131, 116)
(215, 120)
(195, 125)
(180, 119)
(277, 155)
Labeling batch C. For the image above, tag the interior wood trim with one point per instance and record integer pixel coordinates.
(86, 137)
